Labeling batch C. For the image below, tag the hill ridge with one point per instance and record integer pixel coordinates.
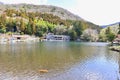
(104, 26)
(55, 10)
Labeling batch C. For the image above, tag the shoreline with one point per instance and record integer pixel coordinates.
(115, 48)
(5, 38)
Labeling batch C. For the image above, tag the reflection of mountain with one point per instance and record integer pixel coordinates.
(49, 55)
(45, 55)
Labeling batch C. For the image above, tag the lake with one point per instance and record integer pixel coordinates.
(63, 60)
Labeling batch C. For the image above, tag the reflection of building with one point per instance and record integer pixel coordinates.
(52, 37)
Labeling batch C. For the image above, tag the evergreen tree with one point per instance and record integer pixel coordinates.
(119, 29)
(2, 28)
(109, 35)
(78, 28)
(22, 25)
(72, 34)
(29, 29)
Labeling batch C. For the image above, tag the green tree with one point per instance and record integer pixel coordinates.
(33, 27)
(119, 29)
(78, 28)
(2, 28)
(39, 33)
(109, 35)
(108, 31)
(22, 25)
(72, 34)
(29, 29)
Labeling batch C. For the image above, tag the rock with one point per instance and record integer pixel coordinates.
(43, 71)
(115, 48)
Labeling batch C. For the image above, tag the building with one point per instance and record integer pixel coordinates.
(52, 37)
(20, 37)
(4, 38)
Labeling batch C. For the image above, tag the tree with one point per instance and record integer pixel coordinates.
(72, 34)
(39, 33)
(109, 35)
(3, 23)
(59, 29)
(119, 29)
(107, 31)
(11, 25)
(78, 28)
(29, 29)
(33, 27)
(22, 25)
(2, 28)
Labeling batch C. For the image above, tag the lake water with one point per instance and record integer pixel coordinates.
(63, 60)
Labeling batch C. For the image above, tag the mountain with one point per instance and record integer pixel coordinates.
(57, 11)
(114, 24)
(107, 29)
(49, 9)
(41, 19)
(1, 3)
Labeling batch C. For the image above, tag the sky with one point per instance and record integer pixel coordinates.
(100, 12)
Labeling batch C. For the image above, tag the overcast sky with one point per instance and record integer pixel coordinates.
(101, 12)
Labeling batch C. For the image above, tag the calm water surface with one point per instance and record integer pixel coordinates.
(63, 60)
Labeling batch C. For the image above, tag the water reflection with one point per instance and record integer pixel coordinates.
(64, 60)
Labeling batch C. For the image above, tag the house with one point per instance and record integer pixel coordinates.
(52, 37)
(20, 37)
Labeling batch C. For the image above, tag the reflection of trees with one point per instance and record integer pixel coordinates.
(45, 55)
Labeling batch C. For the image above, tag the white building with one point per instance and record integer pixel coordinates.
(52, 37)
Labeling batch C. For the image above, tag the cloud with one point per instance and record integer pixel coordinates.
(43, 1)
(98, 11)
(37, 2)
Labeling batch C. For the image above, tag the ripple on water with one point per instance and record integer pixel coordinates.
(65, 61)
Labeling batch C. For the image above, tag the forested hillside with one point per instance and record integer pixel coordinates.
(110, 32)
(39, 20)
